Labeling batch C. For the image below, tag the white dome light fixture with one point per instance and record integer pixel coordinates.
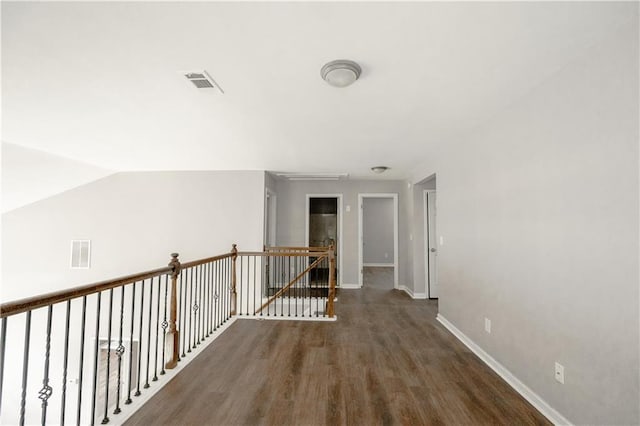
(379, 169)
(341, 72)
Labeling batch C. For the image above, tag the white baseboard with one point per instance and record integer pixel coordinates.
(411, 293)
(540, 404)
(379, 265)
(350, 286)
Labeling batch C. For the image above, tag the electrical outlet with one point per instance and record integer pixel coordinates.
(487, 325)
(560, 373)
(386, 255)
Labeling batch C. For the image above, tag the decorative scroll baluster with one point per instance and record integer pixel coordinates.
(105, 420)
(81, 363)
(45, 393)
(196, 308)
(165, 324)
(119, 352)
(25, 367)
(173, 336)
(133, 312)
(65, 362)
(234, 292)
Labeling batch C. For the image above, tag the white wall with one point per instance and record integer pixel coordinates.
(377, 231)
(291, 218)
(134, 221)
(539, 213)
(29, 175)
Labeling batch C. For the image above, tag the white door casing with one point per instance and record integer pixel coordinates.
(361, 197)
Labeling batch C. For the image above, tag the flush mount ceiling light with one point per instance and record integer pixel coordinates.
(340, 73)
(379, 169)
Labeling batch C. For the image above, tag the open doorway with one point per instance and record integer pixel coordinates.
(324, 226)
(378, 240)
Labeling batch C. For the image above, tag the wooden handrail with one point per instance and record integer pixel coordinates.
(35, 302)
(293, 281)
(207, 260)
(283, 254)
(284, 248)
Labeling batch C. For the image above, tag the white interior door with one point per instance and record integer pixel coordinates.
(431, 247)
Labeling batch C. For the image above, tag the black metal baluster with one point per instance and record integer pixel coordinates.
(146, 383)
(246, 296)
(81, 364)
(140, 340)
(190, 271)
(183, 314)
(65, 363)
(287, 294)
(3, 344)
(196, 308)
(105, 420)
(25, 367)
(205, 304)
(211, 297)
(133, 312)
(218, 296)
(165, 324)
(223, 289)
(255, 282)
(155, 362)
(45, 393)
(95, 361)
(119, 352)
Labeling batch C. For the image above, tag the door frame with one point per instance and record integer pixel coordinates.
(425, 218)
(361, 197)
(339, 266)
(270, 224)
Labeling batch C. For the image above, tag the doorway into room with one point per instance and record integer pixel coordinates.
(324, 226)
(378, 240)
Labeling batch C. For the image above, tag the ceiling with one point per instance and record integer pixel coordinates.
(100, 82)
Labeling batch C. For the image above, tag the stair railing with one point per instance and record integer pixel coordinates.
(81, 355)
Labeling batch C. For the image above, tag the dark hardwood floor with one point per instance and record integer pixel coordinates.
(385, 361)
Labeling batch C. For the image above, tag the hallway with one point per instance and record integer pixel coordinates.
(385, 361)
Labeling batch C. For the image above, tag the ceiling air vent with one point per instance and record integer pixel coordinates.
(202, 80)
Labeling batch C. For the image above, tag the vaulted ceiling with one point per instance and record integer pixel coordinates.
(100, 83)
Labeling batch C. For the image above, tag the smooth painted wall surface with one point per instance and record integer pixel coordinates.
(377, 230)
(29, 175)
(134, 221)
(539, 213)
(291, 218)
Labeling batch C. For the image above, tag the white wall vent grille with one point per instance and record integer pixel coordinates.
(80, 254)
(202, 80)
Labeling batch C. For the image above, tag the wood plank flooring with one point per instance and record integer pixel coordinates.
(385, 361)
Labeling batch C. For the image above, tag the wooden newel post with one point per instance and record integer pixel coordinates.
(332, 280)
(234, 298)
(172, 348)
